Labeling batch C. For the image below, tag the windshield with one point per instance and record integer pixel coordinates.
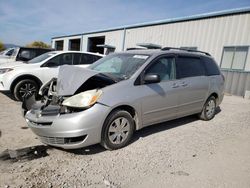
(14, 54)
(120, 65)
(42, 57)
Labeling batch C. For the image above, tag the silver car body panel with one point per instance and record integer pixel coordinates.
(67, 126)
(153, 103)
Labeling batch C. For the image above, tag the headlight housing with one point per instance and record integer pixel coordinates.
(83, 100)
(2, 71)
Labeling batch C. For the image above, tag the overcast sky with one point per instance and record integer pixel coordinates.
(23, 21)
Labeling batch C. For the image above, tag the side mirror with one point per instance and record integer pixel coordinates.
(151, 78)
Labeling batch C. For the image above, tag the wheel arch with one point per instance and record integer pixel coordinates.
(23, 77)
(131, 110)
(215, 95)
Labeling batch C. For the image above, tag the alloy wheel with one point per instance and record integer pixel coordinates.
(27, 89)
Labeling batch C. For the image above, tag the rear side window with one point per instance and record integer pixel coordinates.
(77, 59)
(62, 59)
(211, 67)
(189, 67)
(85, 59)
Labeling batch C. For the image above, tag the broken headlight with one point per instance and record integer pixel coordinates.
(83, 100)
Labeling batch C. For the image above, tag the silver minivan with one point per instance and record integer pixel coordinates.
(124, 92)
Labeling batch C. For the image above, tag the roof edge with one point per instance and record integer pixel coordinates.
(167, 21)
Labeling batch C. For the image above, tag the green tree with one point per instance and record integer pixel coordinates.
(1, 46)
(38, 44)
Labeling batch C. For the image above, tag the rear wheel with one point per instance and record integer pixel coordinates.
(25, 88)
(118, 130)
(208, 111)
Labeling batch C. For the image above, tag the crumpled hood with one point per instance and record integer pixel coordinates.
(70, 78)
(12, 64)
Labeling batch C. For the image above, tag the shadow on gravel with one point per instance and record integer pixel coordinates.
(217, 110)
(28, 153)
(162, 127)
(9, 95)
(91, 150)
(166, 126)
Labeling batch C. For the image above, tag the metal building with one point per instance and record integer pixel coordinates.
(224, 34)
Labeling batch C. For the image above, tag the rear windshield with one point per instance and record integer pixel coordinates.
(42, 57)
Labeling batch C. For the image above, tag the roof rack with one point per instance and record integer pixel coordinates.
(149, 45)
(187, 50)
(145, 46)
(134, 48)
(110, 48)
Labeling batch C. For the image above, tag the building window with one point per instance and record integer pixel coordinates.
(234, 58)
(59, 45)
(188, 48)
(75, 44)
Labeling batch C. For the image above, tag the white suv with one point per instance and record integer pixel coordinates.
(7, 53)
(25, 78)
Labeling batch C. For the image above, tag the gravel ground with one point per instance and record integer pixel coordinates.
(183, 153)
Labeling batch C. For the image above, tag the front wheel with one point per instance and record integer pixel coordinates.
(208, 111)
(25, 88)
(118, 130)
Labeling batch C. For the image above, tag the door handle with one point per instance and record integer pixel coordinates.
(184, 84)
(175, 85)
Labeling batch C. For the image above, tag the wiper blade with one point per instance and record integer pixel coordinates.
(115, 78)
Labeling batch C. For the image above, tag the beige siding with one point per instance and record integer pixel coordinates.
(207, 34)
(210, 34)
(237, 82)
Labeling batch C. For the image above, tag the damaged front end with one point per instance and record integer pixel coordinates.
(57, 119)
(76, 89)
(49, 102)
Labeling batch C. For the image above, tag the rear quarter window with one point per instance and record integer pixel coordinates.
(189, 67)
(88, 59)
(211, 67)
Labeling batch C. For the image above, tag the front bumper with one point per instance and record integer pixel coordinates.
(69, 131)
(4, 84)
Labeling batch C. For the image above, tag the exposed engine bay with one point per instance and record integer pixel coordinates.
(65, 94)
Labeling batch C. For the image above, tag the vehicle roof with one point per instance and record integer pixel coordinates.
(156, 52)
(49, 49)
(62, 52)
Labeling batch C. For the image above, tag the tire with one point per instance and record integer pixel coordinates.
(208, 111)
(113, 136)
(20, 90)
